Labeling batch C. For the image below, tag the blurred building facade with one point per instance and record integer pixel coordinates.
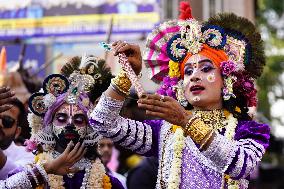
(69, 28)
(54, 31)
(203, 9)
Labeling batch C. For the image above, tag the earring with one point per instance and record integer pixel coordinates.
(228, 88)
(180, 94)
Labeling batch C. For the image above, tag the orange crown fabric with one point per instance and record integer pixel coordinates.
(217, 56)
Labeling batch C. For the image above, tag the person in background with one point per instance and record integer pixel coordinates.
(6, 97)
(59, 114)
(15, 80)
(10, 127)
(28, 178)
(148, 170)
(105, 148)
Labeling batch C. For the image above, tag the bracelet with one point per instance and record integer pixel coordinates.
(197, 129)
(206, 140)
(31, 171)
(122, 82)
(116, 89)
(42, 172)
(190, 122)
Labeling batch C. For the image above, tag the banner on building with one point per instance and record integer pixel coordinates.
(37, 18)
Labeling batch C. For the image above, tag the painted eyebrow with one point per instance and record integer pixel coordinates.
(79, 114)
(200, 62)
(61, 114)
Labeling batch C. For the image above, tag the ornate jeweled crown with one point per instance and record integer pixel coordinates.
(226, 37)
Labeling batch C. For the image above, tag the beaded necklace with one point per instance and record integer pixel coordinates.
(213, 118)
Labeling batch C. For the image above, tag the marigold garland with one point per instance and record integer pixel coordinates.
(174, 69)
(106, 182)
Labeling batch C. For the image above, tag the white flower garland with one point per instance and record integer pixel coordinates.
(175, 171)
(48, 100)
(97, 174)
(231, 124)
(35, 123)
(95, 180)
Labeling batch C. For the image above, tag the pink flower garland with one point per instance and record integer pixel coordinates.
(31, 145)
(167, 88)
(243, 85)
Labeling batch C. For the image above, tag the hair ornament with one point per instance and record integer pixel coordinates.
(55, 84)
(36, 104)
(49, 99)
(85, 60)
(214, 36)
(185, 11)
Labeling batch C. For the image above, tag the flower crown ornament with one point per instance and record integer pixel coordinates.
(222, 39)
(57, 87)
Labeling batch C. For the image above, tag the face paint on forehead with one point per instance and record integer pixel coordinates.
(64, 108)
(70, 109)
(196, 58)
(76, 110)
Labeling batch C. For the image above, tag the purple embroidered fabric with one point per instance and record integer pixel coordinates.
(115, 183)
(196, 175)
(253, 130)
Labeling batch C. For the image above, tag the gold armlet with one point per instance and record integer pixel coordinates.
(197, 129)
(121, 83)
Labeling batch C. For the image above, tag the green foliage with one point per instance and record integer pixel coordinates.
(269, 78)
(274, 64)
(277, 5)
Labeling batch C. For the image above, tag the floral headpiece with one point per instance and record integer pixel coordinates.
(58, 89)
(223, 39)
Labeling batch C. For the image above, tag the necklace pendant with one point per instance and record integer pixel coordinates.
(70, 175)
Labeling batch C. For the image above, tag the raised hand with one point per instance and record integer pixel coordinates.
(132, 52)
(166, 108)
(6, 96)
(63, 164)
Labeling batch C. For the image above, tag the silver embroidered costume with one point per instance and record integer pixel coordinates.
(236, 158)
